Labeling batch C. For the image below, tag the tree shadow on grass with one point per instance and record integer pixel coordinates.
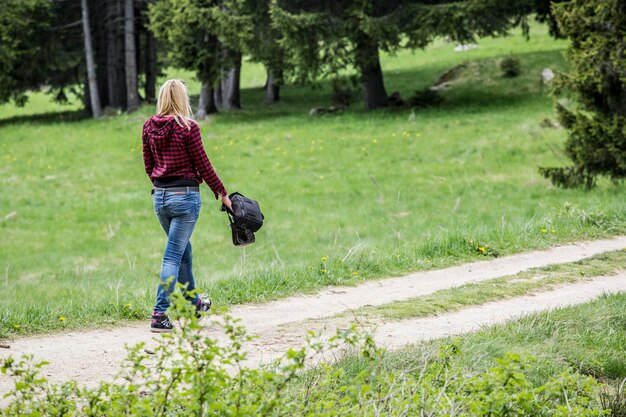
(468, 100)
(484, 91)
(46, 118)
(473, 96)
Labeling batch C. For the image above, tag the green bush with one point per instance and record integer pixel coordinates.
(614, 398)
(511, 67)
(344, 90)
(425, 98)
(191, 374)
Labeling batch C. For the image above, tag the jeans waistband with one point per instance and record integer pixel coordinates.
(185, 190)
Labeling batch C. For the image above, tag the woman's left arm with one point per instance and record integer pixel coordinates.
(148, 158)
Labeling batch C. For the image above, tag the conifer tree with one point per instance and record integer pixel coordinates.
(596, 116)
(325, 36)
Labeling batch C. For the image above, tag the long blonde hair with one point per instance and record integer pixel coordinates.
(174, 100)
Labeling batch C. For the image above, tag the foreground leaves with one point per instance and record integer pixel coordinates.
(193, 373)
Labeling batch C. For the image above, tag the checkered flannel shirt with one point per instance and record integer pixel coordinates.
(177, 153)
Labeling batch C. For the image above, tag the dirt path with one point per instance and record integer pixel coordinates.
(395, 334)
(89, 357)
(337, 299)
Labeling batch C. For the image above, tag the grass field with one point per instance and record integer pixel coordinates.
(374, 194)
(588, 338)
(584, 340)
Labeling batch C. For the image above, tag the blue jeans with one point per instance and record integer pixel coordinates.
(177, 213)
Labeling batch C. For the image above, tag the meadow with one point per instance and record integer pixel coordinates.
(588, 338)
(347, 197)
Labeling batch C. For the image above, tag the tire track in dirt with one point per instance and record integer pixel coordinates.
(338, 299)
(91, 356)
(396, 334)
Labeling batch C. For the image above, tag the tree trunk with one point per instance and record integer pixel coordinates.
(218, 96)
(115, 86)
(368, 62)
(96, 111)
(230, 85)
(99, 46)
(272, 87)
(207, 103)
(86, 95)
(151, 67)
(132, 98)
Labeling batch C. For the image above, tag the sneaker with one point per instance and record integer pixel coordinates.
(203, 306)
(160, 323)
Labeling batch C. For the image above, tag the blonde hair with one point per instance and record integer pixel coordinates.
(174, 101)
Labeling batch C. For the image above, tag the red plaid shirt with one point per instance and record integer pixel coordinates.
(170, 150)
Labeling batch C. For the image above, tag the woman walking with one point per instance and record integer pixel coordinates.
(176, 162)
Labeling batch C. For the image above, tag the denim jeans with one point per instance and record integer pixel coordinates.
(177, 212)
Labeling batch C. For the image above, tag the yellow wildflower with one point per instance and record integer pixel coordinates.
(324, 259)
(481, 249)
(544, 230)
(61, 318)
(323, 271)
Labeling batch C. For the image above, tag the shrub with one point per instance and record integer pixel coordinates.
(192, 374)
(614, 398)
(344, 90)
(425, 98)
(511, 67)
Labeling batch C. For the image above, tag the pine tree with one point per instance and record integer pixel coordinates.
(94, 95)
(34, 49)
(323, 37)
(130, 56)
(185, 29)
(596, 116)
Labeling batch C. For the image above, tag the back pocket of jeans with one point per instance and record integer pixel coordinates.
(179, 208)
(184, 204)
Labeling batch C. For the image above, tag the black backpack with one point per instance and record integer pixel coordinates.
(245, 219)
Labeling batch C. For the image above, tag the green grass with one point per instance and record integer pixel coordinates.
(588, 338)
(379, 193)
(528, 282)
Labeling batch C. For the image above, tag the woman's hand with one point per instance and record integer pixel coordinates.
(226, 201)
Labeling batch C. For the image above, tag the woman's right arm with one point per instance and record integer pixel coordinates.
(203, 165)
(226, 201)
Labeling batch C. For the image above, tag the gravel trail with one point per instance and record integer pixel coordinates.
(91, 356)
